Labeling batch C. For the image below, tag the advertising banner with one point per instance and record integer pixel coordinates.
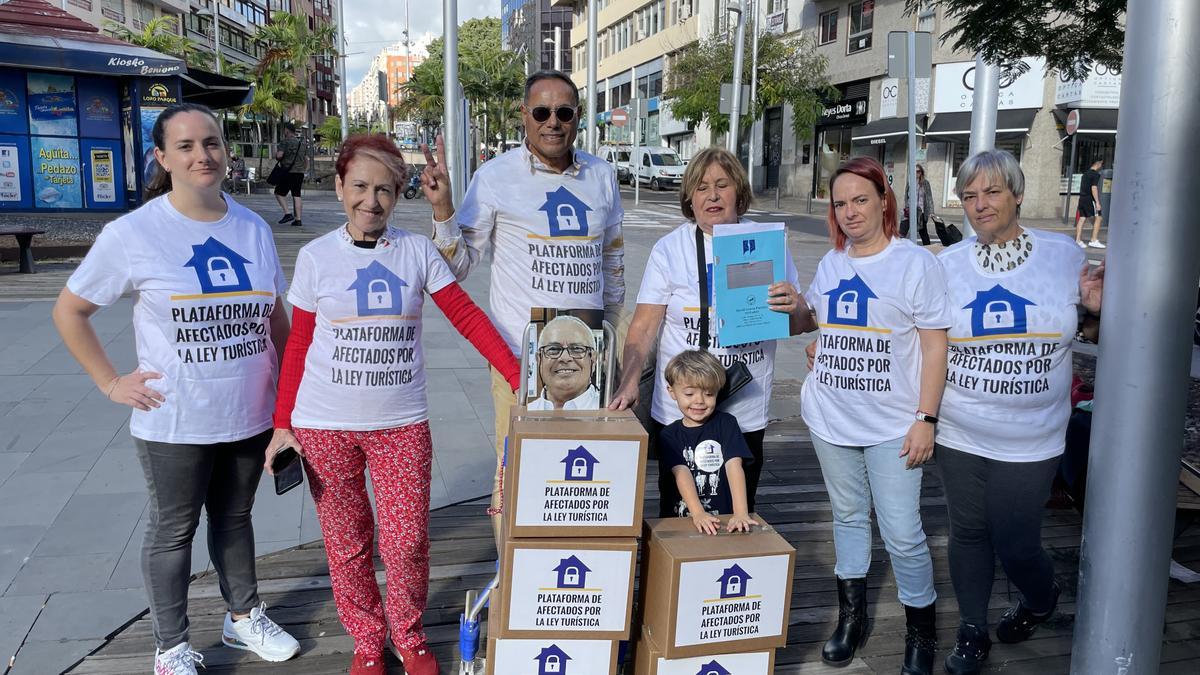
(98, 109)
(52, 108)
(954, 86)
(15, 190)
(103, 174)
(56, 180)
(12, 103)
(149, 117)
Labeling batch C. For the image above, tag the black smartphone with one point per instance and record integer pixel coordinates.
(287, 469)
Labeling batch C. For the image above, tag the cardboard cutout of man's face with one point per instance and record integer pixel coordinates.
(565, 377)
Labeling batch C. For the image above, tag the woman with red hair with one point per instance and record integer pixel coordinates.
(352, 398)
(871, 402)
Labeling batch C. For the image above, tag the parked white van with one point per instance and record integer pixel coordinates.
(618, 157)
(659, 167)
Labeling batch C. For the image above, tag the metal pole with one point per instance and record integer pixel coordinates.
(753, 87)
(983, 115)
(911, 181)
(1070, 178)
(593, 67)
(343, 108)
(735, 102)
(1142, 375)
(217, 39)
(636, 160)
(558, 48)
(452, 115)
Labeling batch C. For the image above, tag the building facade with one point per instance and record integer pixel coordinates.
(380, 88)
(541, 29)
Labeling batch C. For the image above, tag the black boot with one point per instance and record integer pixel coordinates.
(1018, 623)
(851, 631)
(920, 640)
(970, 650)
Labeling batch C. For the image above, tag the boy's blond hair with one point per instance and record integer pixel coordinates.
(697, 369)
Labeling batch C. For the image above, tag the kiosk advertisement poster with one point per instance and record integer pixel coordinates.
(12, 103)
(98, 108)
(15, 192)
(127, 146)
(52, 108)
(103, 173)
(56, 183)
(149, 117)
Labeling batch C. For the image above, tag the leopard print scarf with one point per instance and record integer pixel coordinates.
(1004, 256)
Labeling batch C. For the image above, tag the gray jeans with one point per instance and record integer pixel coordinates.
(222, 478)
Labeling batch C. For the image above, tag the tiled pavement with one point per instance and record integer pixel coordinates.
(72, 496)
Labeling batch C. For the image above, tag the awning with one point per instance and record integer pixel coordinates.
(886, 131)
(1094, 123)
(48, 52)
(956, 126)
(216, 91)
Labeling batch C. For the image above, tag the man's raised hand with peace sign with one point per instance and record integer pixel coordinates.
(435, 182)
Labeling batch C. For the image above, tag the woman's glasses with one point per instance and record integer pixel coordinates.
(541, 113)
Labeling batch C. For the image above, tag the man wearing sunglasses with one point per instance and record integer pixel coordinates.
(566, 358)
(550, 217)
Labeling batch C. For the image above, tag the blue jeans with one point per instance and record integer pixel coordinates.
(856, 475)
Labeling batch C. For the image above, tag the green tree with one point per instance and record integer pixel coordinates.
(275, 90)
(330, 132)
(160, 34)
(789, 71)
(1071, 34)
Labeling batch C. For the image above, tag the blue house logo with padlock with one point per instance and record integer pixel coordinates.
(848, 302)
(378, 291)
(572, 573)
(713, 668)
(219, 268)
(567, 213)
(580, 464)
(733, 582)
(552, 661)
(998, 311)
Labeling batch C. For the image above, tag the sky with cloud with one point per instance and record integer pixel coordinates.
(373, 25)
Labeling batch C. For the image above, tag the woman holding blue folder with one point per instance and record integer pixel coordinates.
(714, 191)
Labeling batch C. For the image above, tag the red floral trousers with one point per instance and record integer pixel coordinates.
(399, 460)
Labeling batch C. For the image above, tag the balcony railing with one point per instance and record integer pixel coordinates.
(83, 4)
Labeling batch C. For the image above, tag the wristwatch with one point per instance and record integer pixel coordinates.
(926, 417)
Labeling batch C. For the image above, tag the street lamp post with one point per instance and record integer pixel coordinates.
(753, 87)
(739, 55)
(216, 17)
(593, 66)
(556, 41)
(341, 38)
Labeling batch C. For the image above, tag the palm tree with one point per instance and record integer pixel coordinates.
(160, 34)
(275, 89)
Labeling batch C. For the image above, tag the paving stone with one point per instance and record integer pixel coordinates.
(16, 545)
(93, 524)
(9, 461)
(117, 470)
(84, 615)
(37, 498)
(40, 658)
(17, 614)
(55, 574)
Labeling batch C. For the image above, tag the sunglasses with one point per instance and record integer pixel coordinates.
(574, 351)
(564, 113)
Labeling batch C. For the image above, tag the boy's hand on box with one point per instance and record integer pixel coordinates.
(706, 523)
(738, 523)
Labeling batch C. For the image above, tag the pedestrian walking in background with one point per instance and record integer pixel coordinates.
(924, 207)
(288, 174)
(1018, 298)
(871, 402)
(548, 215)
(358, 291)
(208, 323)
(1089, 205)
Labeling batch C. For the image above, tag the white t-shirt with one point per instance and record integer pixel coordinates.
(588, 400)
(671, 279)
(1008, 383)
(365, 369)
(554, 239)
(203, 296)
(865, 385)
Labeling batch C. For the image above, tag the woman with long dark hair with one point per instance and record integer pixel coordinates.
(209, 326)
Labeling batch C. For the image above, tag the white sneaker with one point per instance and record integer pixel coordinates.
(259, 634)
(1080, 244)
(1095, 243)
(178, 660)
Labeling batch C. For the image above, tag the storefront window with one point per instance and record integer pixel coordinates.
(1087, 150)
(958, 153)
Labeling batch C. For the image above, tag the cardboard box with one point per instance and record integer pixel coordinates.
(648, 659)
(574, 474)
(580, 589)
(705, 594)
(551, 656)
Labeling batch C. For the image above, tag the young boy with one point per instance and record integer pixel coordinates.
(705, 449)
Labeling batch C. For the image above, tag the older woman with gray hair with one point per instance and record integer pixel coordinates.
(714, 191)
(1018, 298)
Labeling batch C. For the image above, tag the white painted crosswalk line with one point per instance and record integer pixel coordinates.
(650, 219)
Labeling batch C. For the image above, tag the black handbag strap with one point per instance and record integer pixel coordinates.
(702, 270)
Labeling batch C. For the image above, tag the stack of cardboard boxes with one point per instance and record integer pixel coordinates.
(573, 511)
(713, 605)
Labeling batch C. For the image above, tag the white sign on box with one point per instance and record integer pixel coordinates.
(563, 590)
(731, 599)
(751, 663)
(573, 482)
(540, 657)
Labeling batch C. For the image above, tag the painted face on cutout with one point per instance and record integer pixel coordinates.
(566, 356)
(193, 151)
(368, 194)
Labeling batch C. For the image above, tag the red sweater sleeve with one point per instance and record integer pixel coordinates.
(291, 371)
(473, 324)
